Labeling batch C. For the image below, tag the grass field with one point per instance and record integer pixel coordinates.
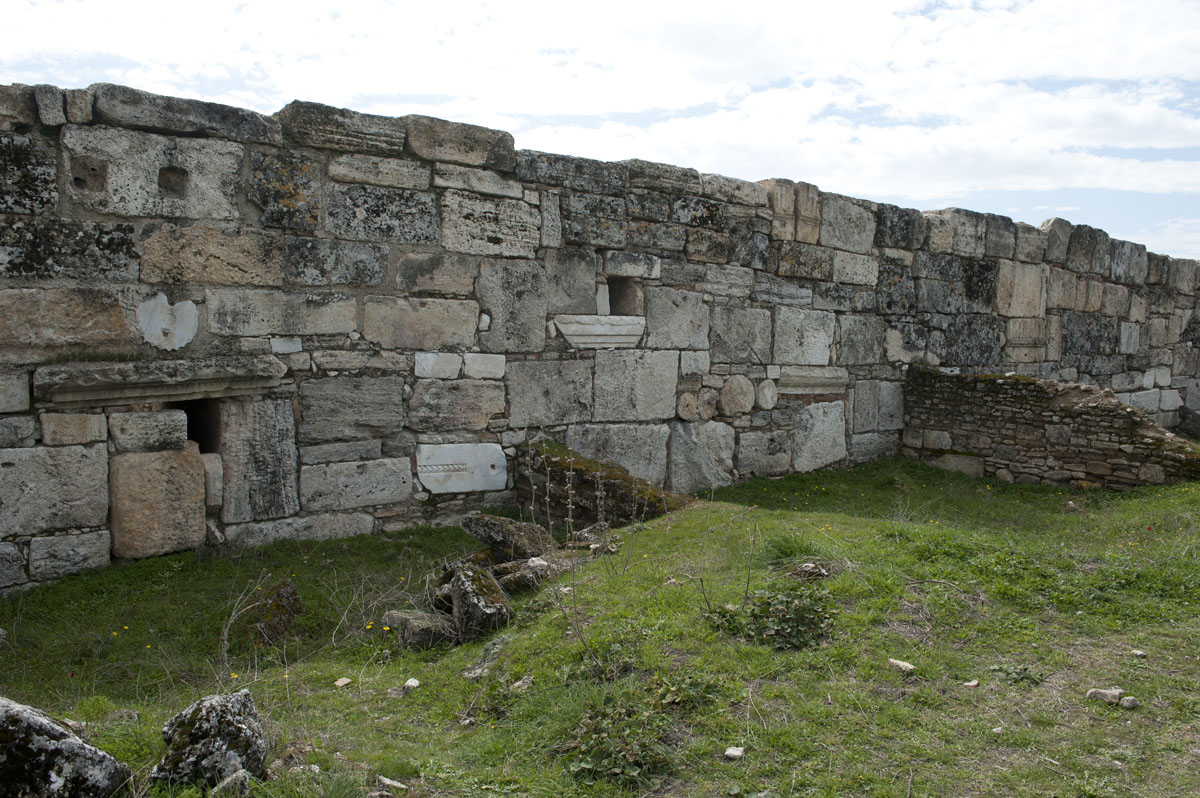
(634, 674)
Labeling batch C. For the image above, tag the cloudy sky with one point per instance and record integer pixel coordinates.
(1084, 109)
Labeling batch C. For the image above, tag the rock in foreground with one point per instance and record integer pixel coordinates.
(211, 740)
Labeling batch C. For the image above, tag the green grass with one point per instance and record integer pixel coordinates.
(635, 688)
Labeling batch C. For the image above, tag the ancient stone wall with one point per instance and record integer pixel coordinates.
(217, 325)
(1038, 431)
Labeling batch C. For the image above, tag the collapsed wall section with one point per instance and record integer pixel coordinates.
(324, 323)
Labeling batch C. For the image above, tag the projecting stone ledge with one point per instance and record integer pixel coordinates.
(85, 384)
(601, 332)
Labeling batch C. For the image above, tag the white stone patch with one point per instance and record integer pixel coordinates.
(462, 467)
(167, 326)
(437, 365)
(483, 367)
(601, 332)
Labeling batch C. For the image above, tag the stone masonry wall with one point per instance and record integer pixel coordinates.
(1038, 431)
(226, 327)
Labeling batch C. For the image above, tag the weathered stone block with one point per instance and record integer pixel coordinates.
(846, 224)
(343, 486)
(1031, 244)
(64, 555)
(48, 249)
(774, 290)
(472, 145)
(972, 340)
(737, 396)
(462, 467)
(655, 236)
(148, 432)
(17, 107)
(901, 228)
(802, 337)
(483, 367)
(764, 453)
(14, 392)
(1089, 251)
(234, 311)
(51, 318)
(878, 405)
(28, 175)
(483, 226)
(594, 220)
(640, 448)
(571, 280)
(855, 269)
(551, 209)
(663, 177)
(429, 324)
(376, 408)
(73, 429)
(1001, 241)
(139, 174)
(514, 293)
(701, 456)
(325, 127)
(707, 246)
(445, 405)
(258, 454)
(1021, 289)
(341, 452)
(730, 189)
(676, 319)
(581, 174)
(79, 105)
(158, 501)
(740, 335)
(49, 100)
(12, 566)
(18, 432)
(437, 273)
(781, 198)
(376, 213)
(635, 385)
(729, 281)
(437, 365)
(968, 231)
(215, 257)
(121, 106)
(549, 392)
(48, 488)
(323, 261)
(860, 340)
(795, 259)
(1061, 288)
(479, 181)
(819, 437)
(327, 526)
(869, 446)
(287, 187)
(214, 481)
(375, 171)
(1058, 239)
(1130, 263)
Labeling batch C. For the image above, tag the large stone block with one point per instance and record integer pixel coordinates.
(49, 249)
(878, 405)
(326, 526)
(967, 232)
(375, 213)
(676, 319)
(739, 335)
(213, 257)
(901, 228)
(1001, 239)
(846, 224)
(233, 311)
(287, 187)
(514, 293)
(445, 405)
(479, 181)
(764, 453)
(12, 566)
(343, 486)
(437, 272)
(641, 449)
(18, 109)
(157, 501)
(479, 225)
(1021, 289)
(861, 340)
(580, 174)
(473, 145)
(855, 269)
(462, 467)
(28, 175)
(736, 282)
(1130, 263)
(549, 392)
(18, 432)
(323, 261)
(73, 429)
(64, 555)
(972, 340)
(14, 392)
(635, 385)
(819, 438)
(325, 127)
(803, 337)
(347, 408)
(341, 452)
(796, 259)
(1089, 251)
(571, 280)
(259, 460)
(52, 318)
(701, 456)
(426, 324)
(1058, 239)
(61, 487)
(870, 446)
(374, 171)
(148, 432)
(663, 177)
(121, 106)
(139, 174)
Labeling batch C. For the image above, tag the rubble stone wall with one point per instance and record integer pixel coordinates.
(221, 326)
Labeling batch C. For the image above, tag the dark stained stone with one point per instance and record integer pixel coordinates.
(323, 261)
(581, 174)
(974, 340)
(287, 187)
(211, 740)
(698, 212)
(28, 174)
(121, 106)
(375, 213)
(899, 228)
(47, 249)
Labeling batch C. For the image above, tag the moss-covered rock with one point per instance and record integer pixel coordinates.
(507, 539)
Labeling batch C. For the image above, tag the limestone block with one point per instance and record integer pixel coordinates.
(483, 367)
(860, 339)
(437, 273)
(781, 198)
(549, 392)
(166, 326)
(252, 312)
(740, 335)
(158, 501)
(1058, 238)
(902, 228)
(1021, 289)
(429, 324)
(340, 360)
(121, 106)
(693, 363)
(766, 395)
(764, 453)
(48, 249)
(1130, 263)
(972, 340)
(594, 220)
(140, 174)
(148, 432)
(633, 264)
(552, 231)
(808, 213)
(737, 396)
(12, 566)
(437, 365)
(571, 280)
(730, 281)
(438, 140)
(341, 452)
(803, 337)
(445, 405)
(515, 294)
(701, 456)
(1089, 251)
(375, 404)
(1130, 338)
(855, 269)
(211, 257)
(968, 232)
(64, 555)
(28, 174)
(1170, 400)
(819, 438)
(641, 449)
(214, 481)
(773, 290)
(344, 486)
(676, 319)
(323, 261)
(325, 127)
(663, 177)
(479, 181)
(962, 463)
(51, 110)
(18, 432)
(697, 212)
(707, 246)
(79, 104)
(462, 467)
(1061, 288)
(376, 171)
(376, 213)
(73, 429)
(1182, 275)
(1146, 400)
(1031, 244)
(846, 224)
(287, 187)
(635, 385)
(1115, 301)
(326, 526)
(729, 189)
(581, 174)
(1137, 307)
(486, 226)
(14, 392)
(17, 107)
(869, 446)
(1001, 237)
(657, 237)
(796, 259)
(48, 488)
(258, 455)
(878, 405)
(601, 332)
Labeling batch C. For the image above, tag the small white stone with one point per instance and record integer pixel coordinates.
(437, 365)
(483, 367)
(342, 682)
(485, 322)
(1129, 702)
(998, 730)
(1137, 652)
(286, 346)
(972, 683)
(412, 684)
(902, 666)
(735, 752)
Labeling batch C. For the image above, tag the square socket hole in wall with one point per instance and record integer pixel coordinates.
(88, 174)
(625, 297)
(203, 423)
(172, 181)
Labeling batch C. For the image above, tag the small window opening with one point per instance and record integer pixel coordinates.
(203, 423)
(625, 296)
(172, 181)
